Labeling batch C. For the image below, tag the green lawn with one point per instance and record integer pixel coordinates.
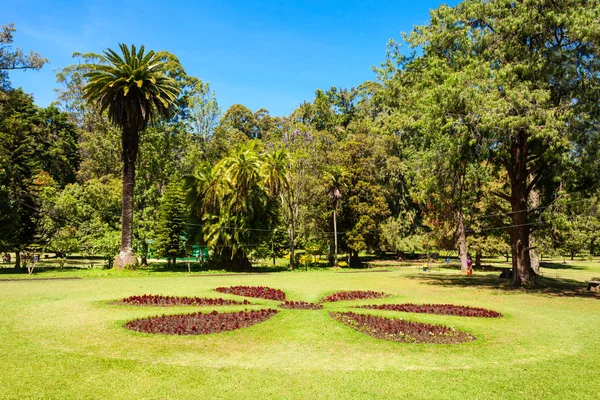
(63, 339)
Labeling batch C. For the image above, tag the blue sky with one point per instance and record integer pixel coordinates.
(270, 54)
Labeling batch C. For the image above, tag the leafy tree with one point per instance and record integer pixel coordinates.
(134, 90)
(13, 59)
(522, 73)
(64, 242)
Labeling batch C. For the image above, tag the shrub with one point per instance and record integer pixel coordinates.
(301, 305)
(354, 295)
(399, 330)
(443, 309)
(260, 292)
(157, 300)
(199, 323)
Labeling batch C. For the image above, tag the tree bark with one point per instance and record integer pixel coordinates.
(335, 244)
(130, 140)
(462, 241)
(292, 238)
(534, 202)
(523, 275)
(17, 259)
(478, 259)
(145, 254)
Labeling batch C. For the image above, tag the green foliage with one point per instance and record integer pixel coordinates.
(12, 59)
(64, 242)
(171, 227)
(233, 202)
(132, 88)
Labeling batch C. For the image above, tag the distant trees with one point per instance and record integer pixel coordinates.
(36, 145)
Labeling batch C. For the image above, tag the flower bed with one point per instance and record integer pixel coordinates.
(443, 309)
(354, 295)
(199, 323)
(399, 330)
(260, 292)
(157, 300)
(301, 305)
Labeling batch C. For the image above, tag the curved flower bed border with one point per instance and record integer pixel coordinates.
(164, 301)
(261, 292)
(301, 305)
(442, 309)
(199, 323)
(353, 295)
(399, 330)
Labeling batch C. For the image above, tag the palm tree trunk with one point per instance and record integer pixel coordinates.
(130, 140)
(335, 247)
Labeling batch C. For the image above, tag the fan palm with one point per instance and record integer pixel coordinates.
(133, 89)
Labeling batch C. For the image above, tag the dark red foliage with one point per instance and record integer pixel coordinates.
(399, 330)
(157, 300)
(261, 292)
(198, 323)
(443, 309)
(354, 295)
(301, 305)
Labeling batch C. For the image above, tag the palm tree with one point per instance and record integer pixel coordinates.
(275, 168)
(334, 178)
(134, 89)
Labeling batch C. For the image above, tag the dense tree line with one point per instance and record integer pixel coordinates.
(482, 137)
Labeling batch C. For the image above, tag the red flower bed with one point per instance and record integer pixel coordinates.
(399, 330)
(354, 295)
(301, 305)
(443, 309)
(198, 323)
(260, 292)
(157, 300)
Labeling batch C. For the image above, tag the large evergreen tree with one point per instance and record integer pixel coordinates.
(514, 80)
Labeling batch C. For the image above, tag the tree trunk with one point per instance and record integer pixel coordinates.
(130, 139)
(292, 238)
(462, 241)
(523, 275)
(17, 259)
(145, 254)
(335, 244)
(478, 258)
(534, 255)
(534, 202)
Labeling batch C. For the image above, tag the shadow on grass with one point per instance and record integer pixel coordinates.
(11, 270)
(556, 265)
(544, 285)
(195, 267)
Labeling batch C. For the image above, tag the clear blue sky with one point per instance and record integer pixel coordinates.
(270, 54)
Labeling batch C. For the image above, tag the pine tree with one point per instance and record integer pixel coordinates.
(170, 232)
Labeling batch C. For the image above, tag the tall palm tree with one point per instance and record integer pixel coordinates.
(334, 181)
(134, 89)
(275, 168)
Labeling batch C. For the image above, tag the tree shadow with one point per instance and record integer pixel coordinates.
(544, 285)
(555, 265)
(198, 267)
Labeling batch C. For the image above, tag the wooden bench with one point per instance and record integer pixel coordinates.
(593, 286)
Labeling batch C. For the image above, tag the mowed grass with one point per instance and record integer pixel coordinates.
(64, 339)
